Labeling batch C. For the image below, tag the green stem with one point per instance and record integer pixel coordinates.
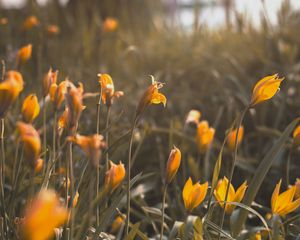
(2, 165)
(107, 137)
(44, 133)
(98, 167)
(163, 212)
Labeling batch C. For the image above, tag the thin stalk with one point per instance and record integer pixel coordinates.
(163, 212)
(107, 136)
(31, 187)
(98, 111)
(44, 133)
(54, 141)
(98, 167)
(2, 164)
(232, 168)
(287, 168)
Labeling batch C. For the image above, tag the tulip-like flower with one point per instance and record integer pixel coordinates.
(91, 145)
(232, 136)
(39, 165)
(265, 89)
(193, 194)
(117, 224)
(108, 89)
(49, 79)
(24, 54)
(151, 96)
(233, 196)
(283, 204)
(205, 136)
(42, 215)
(110, 24)
(193, 117)
(30, 22)
(173, 164)
(53, 29)
(114, 176)
(10, 89)
(297, 184)
(30, 108)
(32, 142)
(57, 92)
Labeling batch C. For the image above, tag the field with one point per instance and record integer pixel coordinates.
(117, 124)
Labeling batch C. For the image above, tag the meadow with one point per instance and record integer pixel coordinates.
(116, 124)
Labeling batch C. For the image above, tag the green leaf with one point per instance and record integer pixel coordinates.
(198, 229)
(175, 230)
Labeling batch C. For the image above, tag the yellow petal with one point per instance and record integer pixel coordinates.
(187, 189)
(275, 197)
(158, 98)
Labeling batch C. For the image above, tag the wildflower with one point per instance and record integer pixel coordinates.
(42, 215)
(30, 22)
(232, 136)
(265, 89)
(49, 79)
(53, 29)
(297, 192)
(91, 145)
(63, 120)
(3, 21)
(193, 117)
(117, 224)
(151, 96)
(24, 54)
(283, 204)
(57, 92)
(205, 136)
(30, 108)
(75, 200)
(39, 165)
(108, 89)
(193, 194)
(233, 196)
(114, 176)
(173, 164)
(110, 24)
(10, 89)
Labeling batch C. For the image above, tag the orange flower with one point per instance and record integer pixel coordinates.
(53, 29)
(49, 79)
(283, 204)
(57, 93)
(110, 24)
(42, 215)
(205, 136)
(39, 165)
(233, 196)
(24, 54)
(75, 200)
(30, 22)
(114, 176)
(108, 89)
(193, 117)
(193, 194)
(3, 21)
(63, 120)
(173, 164)
(30, 108)
(117, 223)
(10, 89)
(232, 136)
(297, 184)
(31, 141)
(91, 145)
(265, 89)
(151, 96)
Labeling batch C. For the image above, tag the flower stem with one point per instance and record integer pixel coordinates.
(2, 165)
(163, 211)
(44, 133)
(97, 185)
(107, 137)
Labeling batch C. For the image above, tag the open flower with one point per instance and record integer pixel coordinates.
(232, 136)
(193, 117)
(32, 142)
(193, 194)
(49, 79)
(110, 24)
(24, 54)
(30, 22)
(91, 145)
(108, 89)
(42, 215)
(233, 196)
(10, 89)
(265, 89)
(114, 176)
(283, 204)
(205, 136)
(151, 96)
(30, 108)
(173, 164)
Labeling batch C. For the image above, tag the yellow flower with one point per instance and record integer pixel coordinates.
(265, 89)
(49, 79)
(108, 89)
(193, 194)
(297, 184)
(151, 96)
(42, 215)
(232, 136)
(24, 54)
(30, 22)
(117, 223)
(114, 176)
(283, 204)
(193, 117)
(30, 108)
(53, 29)
(110, 24)
(205, 136)
(173, 164)
(10, 89)
(233, 196)
(31, 141)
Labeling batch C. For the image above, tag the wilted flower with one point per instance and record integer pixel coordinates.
(24, 54)
(114, 176)
(32, 142)
(173, 164)
(193, 194)
(53, 29)
(91, 145)
(283, 204)
(39, 165)
(108, 89)
(30, 108)
(42, 215)
(10, 89)
(297, 184)
(30, 22)
(49, 79)
(193, 117)
(233, 196)
(110, 24)
(232, 136)
(265, 89)
(205, 136)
